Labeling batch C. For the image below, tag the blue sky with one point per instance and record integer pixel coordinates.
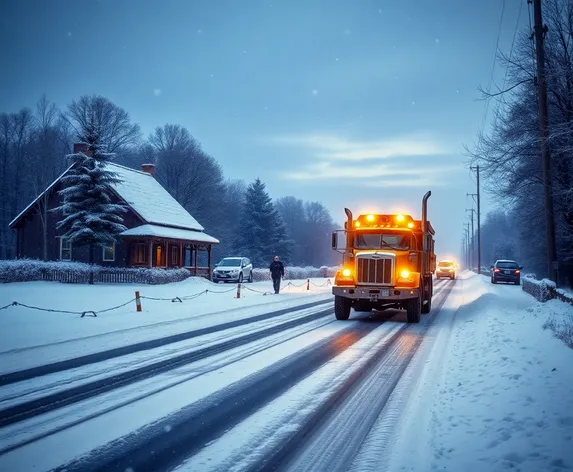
(357, 103)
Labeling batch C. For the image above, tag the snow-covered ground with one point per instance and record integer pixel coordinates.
(29, 337)
(490, 390)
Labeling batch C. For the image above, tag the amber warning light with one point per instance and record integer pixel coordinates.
(384, 221)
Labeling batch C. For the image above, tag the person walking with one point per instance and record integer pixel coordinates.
(277, 272)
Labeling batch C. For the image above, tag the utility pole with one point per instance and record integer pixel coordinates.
(472, 211)
(539, 31)
(477, 195)
(467, 230)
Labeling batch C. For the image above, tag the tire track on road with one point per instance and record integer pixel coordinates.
(60, 366)
(72, 395)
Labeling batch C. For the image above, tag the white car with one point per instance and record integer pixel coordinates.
(446, 269)
(233, 269)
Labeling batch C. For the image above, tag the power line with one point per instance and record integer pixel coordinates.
(501, 97)
(492, 68)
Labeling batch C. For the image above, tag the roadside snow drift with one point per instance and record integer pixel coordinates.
(31, 337)
(493, 391)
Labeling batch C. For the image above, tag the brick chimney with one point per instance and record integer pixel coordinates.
(82, 147)
(149, 168)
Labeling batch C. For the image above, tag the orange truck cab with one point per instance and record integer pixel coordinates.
(388, 261)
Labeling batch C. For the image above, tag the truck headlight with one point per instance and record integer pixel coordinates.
(346, 272)
(405, 274)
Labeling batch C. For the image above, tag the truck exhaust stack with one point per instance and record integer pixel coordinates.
(425, 217)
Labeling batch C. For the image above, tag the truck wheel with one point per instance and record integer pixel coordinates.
(414, 309)
(342, 307)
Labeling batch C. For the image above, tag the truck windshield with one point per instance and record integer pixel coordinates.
(396, 241)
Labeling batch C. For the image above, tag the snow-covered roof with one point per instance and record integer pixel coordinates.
(170, 233)
(146, 197)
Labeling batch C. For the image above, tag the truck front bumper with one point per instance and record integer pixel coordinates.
(376, 293)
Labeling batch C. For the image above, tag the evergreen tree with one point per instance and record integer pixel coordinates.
(262, 233)
(93, 219)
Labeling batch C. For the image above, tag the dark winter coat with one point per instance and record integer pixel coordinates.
(277, 269)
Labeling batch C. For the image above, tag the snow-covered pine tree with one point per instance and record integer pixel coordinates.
(93, 219)
(261, 233)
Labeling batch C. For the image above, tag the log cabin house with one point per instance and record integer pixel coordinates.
(160, 232)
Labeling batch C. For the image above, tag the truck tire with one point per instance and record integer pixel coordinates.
(342, 307)
(414, 309)
(427, 307)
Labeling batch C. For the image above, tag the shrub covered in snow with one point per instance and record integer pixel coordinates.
(293, 273)
(542, 290)
(28, 270)
(545, 289)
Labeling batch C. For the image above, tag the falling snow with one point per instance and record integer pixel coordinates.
(315, 92)
(157, 92)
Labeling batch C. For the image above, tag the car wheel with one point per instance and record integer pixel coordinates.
(250, 279)
(493, 280)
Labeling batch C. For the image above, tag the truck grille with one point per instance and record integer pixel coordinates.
(374, 271)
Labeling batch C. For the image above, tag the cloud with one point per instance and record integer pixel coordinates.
(404, 172)
(403, 161)
(329, 147)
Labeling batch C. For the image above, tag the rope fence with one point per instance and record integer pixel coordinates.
(177, 299)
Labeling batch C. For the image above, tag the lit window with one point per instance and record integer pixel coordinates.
(65, 249)
(108, 252)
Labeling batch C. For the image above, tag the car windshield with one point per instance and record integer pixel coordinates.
(507, 265)
(397, 241)
(231, 262)
(445, 264)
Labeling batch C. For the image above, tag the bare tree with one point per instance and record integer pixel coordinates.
(112, 122)
(509, 153)
(194, 178)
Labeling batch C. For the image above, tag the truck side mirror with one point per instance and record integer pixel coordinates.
(334, 240)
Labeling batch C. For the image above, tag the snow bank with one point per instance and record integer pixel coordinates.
(498, 391)
(29, 270)
(560, 321)
(296, 273)
(48, 312)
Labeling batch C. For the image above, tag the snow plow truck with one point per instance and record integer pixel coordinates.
(388, 262)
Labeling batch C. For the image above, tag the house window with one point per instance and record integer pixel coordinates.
(108, 252)
(141, 253)
(187, 256)
(174, 255)
(65, 249)
(159, 256)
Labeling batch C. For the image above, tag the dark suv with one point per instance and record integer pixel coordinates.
(506, 271)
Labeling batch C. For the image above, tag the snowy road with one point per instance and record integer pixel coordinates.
(292, 389)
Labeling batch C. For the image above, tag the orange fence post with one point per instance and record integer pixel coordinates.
(137, 301)
(308, 284)
(239, 290)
